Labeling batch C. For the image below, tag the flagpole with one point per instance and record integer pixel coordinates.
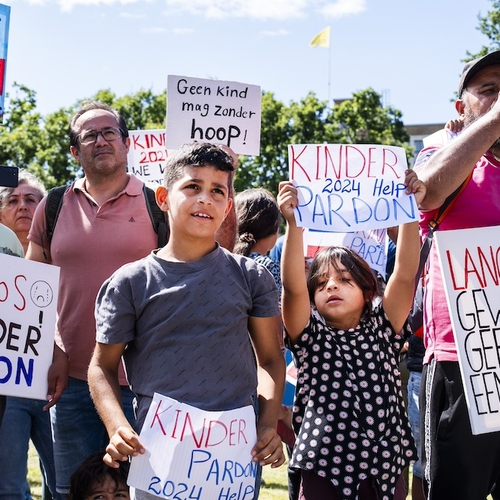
(322, 39)
(329, 71)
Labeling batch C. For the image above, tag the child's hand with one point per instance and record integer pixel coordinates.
(415, 185)
(287, 200)
(268, 449)
(455, 125)
(123, 443)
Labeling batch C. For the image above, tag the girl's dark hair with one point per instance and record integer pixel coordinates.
(258, 217)
(92, 473)
(360, 271)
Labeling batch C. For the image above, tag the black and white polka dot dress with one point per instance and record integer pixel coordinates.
(349, 414)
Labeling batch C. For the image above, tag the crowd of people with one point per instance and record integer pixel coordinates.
(226, 295)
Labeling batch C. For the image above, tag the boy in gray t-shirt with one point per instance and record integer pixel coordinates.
(197, 322)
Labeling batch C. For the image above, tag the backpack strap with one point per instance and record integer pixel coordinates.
(52, 208)
(433, 227)
(159, 218)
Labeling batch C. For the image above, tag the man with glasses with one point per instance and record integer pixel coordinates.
(103, 224)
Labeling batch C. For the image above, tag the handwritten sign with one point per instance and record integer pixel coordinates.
(147, 155)
(4, 43)
(215, 111)
(349, 188)
(191, 453)
(371, 245)
(470, 266)
(28, 302)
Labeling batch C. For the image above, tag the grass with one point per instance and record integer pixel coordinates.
(34, 474)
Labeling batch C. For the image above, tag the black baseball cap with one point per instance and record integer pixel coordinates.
(472, 67)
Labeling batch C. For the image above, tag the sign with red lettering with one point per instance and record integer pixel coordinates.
(4, 43)
(470, 265)
(215, 111)
(28, 302)
(191, 453)
(371, 245)
(147, 155)
(350, 187)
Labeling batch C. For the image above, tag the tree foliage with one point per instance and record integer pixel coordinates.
(40, 143)
(489, 25)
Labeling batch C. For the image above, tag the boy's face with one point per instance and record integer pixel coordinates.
(197, 202)
(109, 491)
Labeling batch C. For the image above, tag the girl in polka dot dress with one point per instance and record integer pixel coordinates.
(353, 440)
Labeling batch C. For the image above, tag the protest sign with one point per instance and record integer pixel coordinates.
(147, 155)
(470, 265)
(28, 302)
(215, 111)
(4, 43)
(191, 453)
(347, 188)
(371, 245)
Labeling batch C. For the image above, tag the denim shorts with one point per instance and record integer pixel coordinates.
(77, 429)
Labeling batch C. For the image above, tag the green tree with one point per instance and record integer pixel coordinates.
(489, 25)
(306, 121)
(361, 119)
(41, 144)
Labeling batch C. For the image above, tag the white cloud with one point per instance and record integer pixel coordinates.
(280, 32)
(153, 29)
(131, 15)
(277, 10)
(343, 8)
(67, 5)
(183, 31)
(265, 9)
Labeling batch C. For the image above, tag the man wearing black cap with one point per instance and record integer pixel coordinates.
(458, 465)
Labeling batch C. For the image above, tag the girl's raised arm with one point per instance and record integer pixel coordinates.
(296, 307)
(398, 295)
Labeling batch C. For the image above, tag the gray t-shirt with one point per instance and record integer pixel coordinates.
(186, 326)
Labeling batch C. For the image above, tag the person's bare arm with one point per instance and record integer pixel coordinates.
(398, 295)
(37, 253)
(449, 166)
(271, 383)
(105, 391)
(296, 307)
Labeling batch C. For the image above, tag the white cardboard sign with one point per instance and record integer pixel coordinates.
(147, 155)
(350, 187)
(192, 453)
(216, 111)
(371, 245)
(470, 265)
(28, 303)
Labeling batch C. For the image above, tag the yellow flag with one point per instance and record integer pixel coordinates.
(322, 39)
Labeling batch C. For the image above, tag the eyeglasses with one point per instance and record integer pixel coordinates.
(109, 134)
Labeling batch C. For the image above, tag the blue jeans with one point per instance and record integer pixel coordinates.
(77, 429)
(414, 416)
(24, 419)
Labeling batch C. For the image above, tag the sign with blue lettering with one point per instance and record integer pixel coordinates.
(220, 112)
(28, 302)
(346, 188)
(147, 155)
(191, 453)
(469, 260)
(371, 245)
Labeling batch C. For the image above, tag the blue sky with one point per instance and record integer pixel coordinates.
(409, 51)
